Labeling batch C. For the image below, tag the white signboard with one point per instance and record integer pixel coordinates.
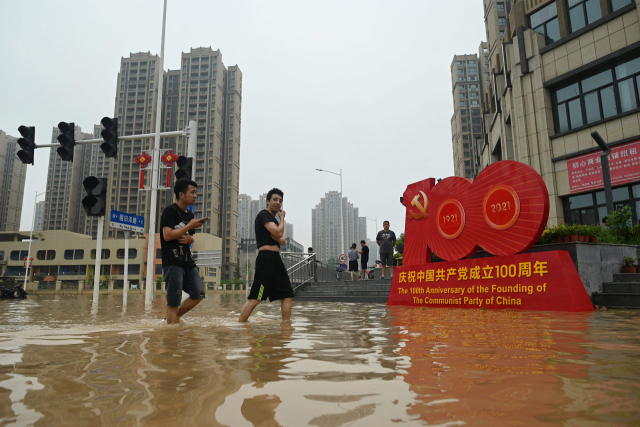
(126, 221)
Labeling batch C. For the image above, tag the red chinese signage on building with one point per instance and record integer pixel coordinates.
(585, 172)
(503, 211)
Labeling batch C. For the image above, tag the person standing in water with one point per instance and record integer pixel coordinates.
(270, 279)
(177, 226)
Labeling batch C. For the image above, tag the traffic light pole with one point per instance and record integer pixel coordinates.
(121, 138)
(125, 287)
(155, 172)
(96, 273)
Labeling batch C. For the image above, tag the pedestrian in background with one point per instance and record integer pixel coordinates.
(386, 239)
(312, 260)
(364, 258)
(353, 261)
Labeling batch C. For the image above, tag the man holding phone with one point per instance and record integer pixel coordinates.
(270, 279)
(178, 226)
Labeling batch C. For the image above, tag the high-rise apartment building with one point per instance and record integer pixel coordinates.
(248, 209)
(63, 204)
(135, 109)
(288, 231)
(560, 70)
(13, 174)
(207, 91)
(39, 217)
(466, 122)
(326, 222)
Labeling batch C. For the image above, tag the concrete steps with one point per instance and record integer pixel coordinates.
(623, 291)
(367, 291)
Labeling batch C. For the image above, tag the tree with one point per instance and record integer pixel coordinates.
(400, 244)
(237, 274)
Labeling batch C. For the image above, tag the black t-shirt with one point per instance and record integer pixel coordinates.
(365, 253)
(263, 237)
(173, 253)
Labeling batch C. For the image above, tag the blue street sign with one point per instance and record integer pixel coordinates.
(126, 221)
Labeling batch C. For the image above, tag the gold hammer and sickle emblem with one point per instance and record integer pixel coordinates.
(422, 208)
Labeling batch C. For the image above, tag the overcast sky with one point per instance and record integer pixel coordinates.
(360, 85)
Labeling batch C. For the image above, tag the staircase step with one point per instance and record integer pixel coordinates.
(616, 299)
(626, 277)
(621, 287)
(345, 299)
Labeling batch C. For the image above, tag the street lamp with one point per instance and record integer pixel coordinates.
(341, 210)
(33, 222)
(606, 176)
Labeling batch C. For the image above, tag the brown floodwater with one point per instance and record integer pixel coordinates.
(64, 363)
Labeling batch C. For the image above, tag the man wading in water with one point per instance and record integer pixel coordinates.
(180, 272)
(271, 279)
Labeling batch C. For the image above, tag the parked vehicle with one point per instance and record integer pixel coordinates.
(12, 289)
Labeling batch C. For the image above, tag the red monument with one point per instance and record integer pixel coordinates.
(504, 211)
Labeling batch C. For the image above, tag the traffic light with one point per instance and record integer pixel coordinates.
(95, 202)
(110, 135)
(184, 167)
(67, 139)
(27, 143)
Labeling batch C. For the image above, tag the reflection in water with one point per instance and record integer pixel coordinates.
(333, 365)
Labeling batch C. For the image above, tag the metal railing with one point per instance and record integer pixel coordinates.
(305, 268)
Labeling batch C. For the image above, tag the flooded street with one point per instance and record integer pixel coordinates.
(62, 363)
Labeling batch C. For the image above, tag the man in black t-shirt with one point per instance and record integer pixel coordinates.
(270, 279)
(364, 257)
(177, 226)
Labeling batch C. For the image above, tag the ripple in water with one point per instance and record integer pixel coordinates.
(63, 362)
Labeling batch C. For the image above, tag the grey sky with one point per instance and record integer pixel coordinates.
(358, 85)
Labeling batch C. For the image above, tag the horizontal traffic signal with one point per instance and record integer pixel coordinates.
(110, 135)
(67, 139)
(27, 143)
(95, 202)
(184, 167)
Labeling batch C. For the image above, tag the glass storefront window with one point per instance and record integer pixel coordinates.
(581, 201)
(620, 194)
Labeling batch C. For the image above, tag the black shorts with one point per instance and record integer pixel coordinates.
(363, 264)
(353, 265)
(271, 279)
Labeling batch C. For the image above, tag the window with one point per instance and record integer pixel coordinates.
(500, 7)
(501, 35)
(20, 255)
(545, 21)
(132, 253)
(463, 104)
(471, 63)
(106, 253)
(501, 21)
(68, 254)
(598, 97)
(1, 255)
(619, 4)
(583, 12)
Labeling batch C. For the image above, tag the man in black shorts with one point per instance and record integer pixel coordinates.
(180, 272)
(364, 258)
(270, 279)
